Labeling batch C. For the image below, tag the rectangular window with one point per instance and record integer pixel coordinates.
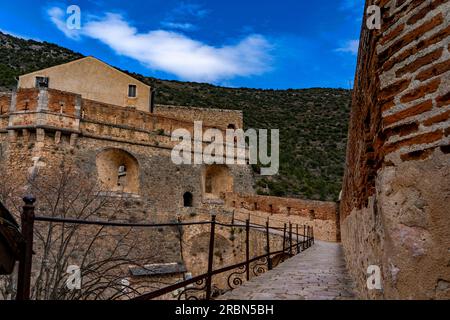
(42, 82)
(132, 91)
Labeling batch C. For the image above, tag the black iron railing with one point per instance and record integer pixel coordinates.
(198, 287)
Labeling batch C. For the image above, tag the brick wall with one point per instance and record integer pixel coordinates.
(5, 103)
(218, 118)
(321, 215)
(395, 188)
(27, 99)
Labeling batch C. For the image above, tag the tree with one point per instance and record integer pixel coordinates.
(103, 255)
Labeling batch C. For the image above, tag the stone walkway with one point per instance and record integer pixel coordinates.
(319, 273)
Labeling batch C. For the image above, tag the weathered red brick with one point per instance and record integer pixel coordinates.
(420, 62)
(434, 71)
(417, 155)
(410, 36)
(424, 11)
(428, 137)
(5, 102)
(389, 20)
(387, 105)
(393, 34)
(401, 130)
(26, 99)
(391, 91)
(443, 100)
(421, 91)
(435, 38)
(437, 119)
(410, 112)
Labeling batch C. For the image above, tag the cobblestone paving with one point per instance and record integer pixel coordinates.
(319, 273)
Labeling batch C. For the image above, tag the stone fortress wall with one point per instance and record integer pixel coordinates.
(46, 119)
(321, 215)
(125, 150)
(395, 200)
(217, 118)
(42, 128)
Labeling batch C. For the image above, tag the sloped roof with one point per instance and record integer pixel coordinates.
(158, 269)
(88, 58)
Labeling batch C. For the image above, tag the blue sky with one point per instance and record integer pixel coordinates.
(237, 43)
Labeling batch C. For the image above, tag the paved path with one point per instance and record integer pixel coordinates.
(319, 273)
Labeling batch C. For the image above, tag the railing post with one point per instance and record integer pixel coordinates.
(210, 258)
(309, 236)
(290, 238)
(247, 249)
(304, 238)
(296, 232)
(284, 238)
(26, 254)
(269, 261)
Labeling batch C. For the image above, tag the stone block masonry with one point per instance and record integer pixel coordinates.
(124, 153)
(395, 200)
(322, 216)
(57, 123)
(218, 118)
(316, 274)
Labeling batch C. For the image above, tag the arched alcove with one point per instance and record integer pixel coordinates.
(217, 180)
(118, 171)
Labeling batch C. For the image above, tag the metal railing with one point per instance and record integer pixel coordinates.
(200, 286)
(254, 266)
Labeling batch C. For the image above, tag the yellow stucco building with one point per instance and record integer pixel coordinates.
(93, 80)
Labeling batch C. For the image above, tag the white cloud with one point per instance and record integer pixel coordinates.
(57, 16)
(178, 54)
(351, 46)
(178, 25)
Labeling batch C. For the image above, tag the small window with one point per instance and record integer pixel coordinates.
(187, 200)
(132, 91)
(42, 82)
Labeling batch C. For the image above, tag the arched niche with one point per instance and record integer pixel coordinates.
(118, 171)
(217, 179)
